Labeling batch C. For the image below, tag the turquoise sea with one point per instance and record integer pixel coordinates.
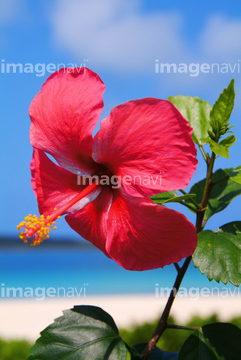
(87, 270)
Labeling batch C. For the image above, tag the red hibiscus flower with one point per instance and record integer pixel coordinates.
(144, 147)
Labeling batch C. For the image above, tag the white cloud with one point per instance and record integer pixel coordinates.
(218, 46)
(115, 34)
(10, 10)
(221, 38)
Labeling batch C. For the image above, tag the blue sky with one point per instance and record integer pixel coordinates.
(120, 40)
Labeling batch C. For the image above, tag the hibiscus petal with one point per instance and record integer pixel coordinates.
(147, 143)
(134, 232)
(91, 221)
(144, 236)
(64, 114)
(55, 186)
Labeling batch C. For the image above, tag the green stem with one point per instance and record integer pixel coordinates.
(192, 208)
(206, 193)
(162, 325)
(204, 223)
(191, 199)
(203, 153)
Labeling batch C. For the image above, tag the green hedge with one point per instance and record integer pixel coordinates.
(171, 340)
(14, 349)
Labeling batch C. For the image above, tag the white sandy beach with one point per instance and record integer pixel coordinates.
(21, 318)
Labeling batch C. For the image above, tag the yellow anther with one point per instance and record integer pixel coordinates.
(38, 228)
(35, 228)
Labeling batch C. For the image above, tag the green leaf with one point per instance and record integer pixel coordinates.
(170, 196)
(218, 254)
(84, 332)
(233, 227)
(163, 197)
(218, 341)
(222, 109)
(218, 149)
(235, 175)
(228, 141)
(197, 347)
(225, 338)
(222, 147)
(221, 195)
(157, 353)
(197, 112)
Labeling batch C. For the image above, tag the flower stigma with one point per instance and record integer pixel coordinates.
(38, 228)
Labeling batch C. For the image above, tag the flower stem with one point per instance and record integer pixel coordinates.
(162, 325)
(206, 193)
(203, 153)
(190, 207)
(191, 199)
(177, 267)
